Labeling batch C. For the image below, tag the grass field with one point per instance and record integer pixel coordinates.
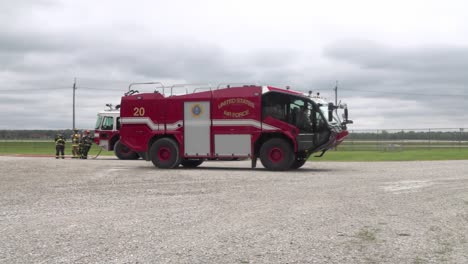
(346, 152)
(397, 145)
(40, 148)
(404, 155)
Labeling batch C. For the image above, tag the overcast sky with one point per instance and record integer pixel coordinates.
(399, 64)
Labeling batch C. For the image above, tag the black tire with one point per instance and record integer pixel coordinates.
(191, 163)
(297, 164)
(277, 154)
(165, 153)
(123, 152)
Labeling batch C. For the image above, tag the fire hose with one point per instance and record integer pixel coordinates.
(97, 155)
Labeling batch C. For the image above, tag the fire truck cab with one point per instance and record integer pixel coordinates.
(107, 136)
(281, 127)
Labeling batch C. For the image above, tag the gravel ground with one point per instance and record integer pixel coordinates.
(112, 211)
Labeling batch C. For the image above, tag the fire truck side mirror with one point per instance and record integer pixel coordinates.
(330, 112)
(347, 121)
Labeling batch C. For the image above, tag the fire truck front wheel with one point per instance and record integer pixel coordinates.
(123, 152)
(277, 154)
(165, 153)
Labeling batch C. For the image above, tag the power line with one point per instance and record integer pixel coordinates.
(103, 89)
(34, 89)
(59, 88)
(343, 90)
(102, 80)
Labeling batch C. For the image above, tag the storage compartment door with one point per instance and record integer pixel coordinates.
(232, 145)
(197, 124)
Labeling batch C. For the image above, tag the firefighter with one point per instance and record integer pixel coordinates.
(303, 120)
(85, 145)
(275, 111)
(59, 146)
(75, 142)
(278, 112)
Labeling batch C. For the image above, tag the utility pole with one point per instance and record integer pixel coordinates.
(336, 93)
(336, 105)
(74, 88)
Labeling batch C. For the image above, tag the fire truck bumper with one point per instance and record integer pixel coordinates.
(305, 142)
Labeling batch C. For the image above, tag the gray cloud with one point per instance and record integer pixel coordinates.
(371, 55)
(109, 55)
(430, 64)
(431, 77)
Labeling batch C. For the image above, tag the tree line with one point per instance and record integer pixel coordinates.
(459, 135)
(34, 134)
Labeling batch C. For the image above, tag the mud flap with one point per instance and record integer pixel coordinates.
(254, 162)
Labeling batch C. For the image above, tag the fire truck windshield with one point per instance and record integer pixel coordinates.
(98, 122)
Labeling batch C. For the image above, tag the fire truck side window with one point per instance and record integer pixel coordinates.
(273, 105)
(275, 111)
(108, 123)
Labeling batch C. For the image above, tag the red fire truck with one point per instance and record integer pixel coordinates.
(280, 126)
(106, 134)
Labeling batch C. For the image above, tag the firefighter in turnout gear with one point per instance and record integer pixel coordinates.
(85, 145)
(59, 146)
(75, 142)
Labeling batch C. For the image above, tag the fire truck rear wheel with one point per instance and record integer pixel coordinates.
(165, 153)
(298, 163)
(191, 163)
(277, 154)
(123, 152)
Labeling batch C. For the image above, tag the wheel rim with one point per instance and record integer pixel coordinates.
(276, 155)
(164, 154)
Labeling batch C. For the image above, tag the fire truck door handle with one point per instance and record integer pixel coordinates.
(139, 132)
